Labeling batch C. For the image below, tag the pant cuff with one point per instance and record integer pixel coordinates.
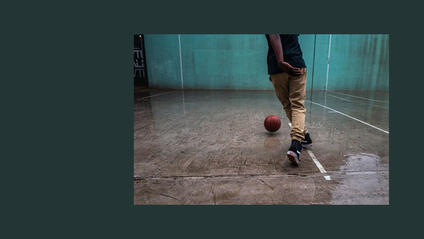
(297, 138)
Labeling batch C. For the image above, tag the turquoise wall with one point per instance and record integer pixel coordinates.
(162, 59)
(224, 62)
(239, 61)
(359, 62)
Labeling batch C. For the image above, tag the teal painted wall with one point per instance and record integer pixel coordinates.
(321, 59)
(307, 44)
(162, 59)
(224, 62)
(359, 62)
(239, 61)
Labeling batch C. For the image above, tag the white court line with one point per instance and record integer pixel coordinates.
(359, 97)
(341, 98)
(158, 94)
(363, 122)
(318, 164)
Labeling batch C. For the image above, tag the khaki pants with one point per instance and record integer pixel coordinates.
(291, 91)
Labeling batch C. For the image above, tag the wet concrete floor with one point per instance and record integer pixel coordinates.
(210, 147)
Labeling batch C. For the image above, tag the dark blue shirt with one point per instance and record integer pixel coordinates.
(291, 53)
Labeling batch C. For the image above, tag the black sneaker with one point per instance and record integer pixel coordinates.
(307, 142)
(294, 152)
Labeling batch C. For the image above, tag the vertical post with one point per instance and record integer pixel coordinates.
(181, 61)
(328, 63)
(313, 64)
(312, 83)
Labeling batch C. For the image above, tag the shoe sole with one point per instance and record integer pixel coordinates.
(307, 146)
(292, 157)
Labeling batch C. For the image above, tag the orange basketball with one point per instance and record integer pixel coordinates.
(272, 123)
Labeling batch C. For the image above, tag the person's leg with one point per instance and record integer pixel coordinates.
(281, 86)
(291, 92)
(297, 95)
(307, 141)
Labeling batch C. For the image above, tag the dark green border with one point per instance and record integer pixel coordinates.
(67, 119)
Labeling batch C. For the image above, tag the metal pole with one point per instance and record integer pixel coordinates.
(328, 63)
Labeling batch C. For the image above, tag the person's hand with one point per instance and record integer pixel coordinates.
(289, 68)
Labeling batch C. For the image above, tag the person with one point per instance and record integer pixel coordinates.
(287, 71)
